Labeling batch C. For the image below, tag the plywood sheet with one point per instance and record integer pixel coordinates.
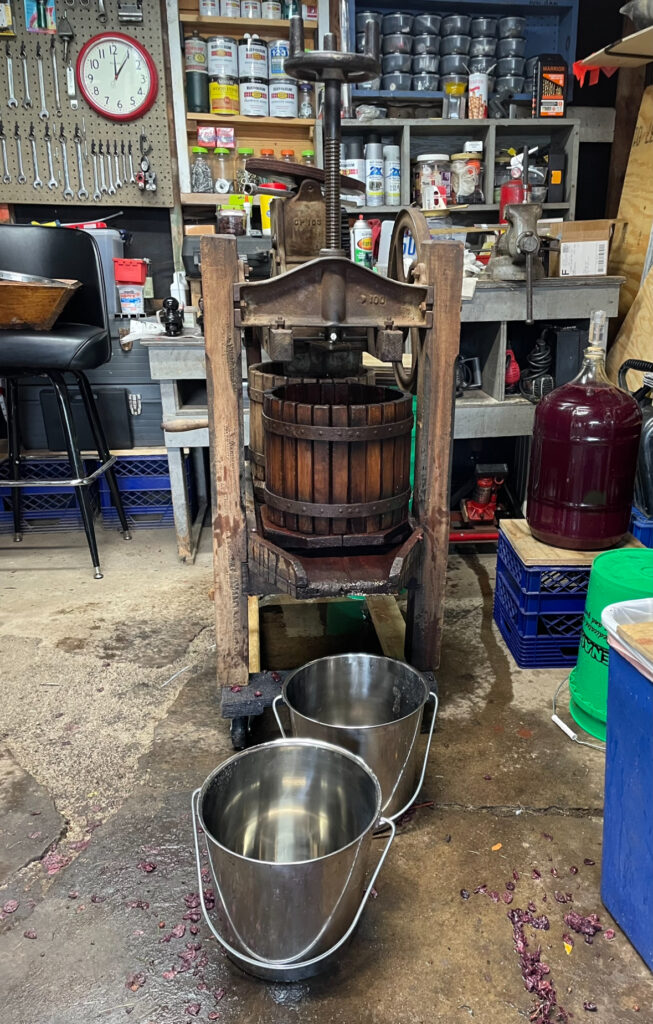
(635, 217)
(640, 637)
(533, 552)
(635, 339)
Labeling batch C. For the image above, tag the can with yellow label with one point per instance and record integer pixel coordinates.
(223, 95)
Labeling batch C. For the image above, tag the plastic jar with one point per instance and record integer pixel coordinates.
(201, 177)
(308, 157)
(288, 155)
(223, 173)
(466, 178)
(231, 221)
(244, 178)
(306, 100)
(454, 88)
(432, 180)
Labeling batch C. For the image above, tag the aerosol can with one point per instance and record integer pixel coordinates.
(374, 174)
(361, 243)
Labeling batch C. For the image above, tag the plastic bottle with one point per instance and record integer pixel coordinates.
(223, 173)
(308, 157)
(584, 456)
(392, 175)
(374, 174)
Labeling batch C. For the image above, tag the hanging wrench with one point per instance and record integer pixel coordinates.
(116, 162)
(96, 194)
(43, 113)
(21, 179)
(71, 88)
(6, 176)
(124, 162)
(67, 192)
(37, 183)
(112, 188)
(53, 183)
(102, 14)
(55, 77)
(12, 101)
(83, 191)
(27, 99)
(132, 179)
(103, 184)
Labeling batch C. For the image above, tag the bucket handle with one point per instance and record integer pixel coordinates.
(277, 964)
(398, 814)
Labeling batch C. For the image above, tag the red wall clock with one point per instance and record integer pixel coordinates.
(117, 76)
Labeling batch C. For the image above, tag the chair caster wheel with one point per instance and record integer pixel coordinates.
(127, 535)
(18, 538)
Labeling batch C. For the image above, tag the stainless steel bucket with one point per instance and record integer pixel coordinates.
(370, 705)
(288, 827)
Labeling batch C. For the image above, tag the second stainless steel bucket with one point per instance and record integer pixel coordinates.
(370, 705)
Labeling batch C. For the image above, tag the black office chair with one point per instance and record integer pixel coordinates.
(79, 341)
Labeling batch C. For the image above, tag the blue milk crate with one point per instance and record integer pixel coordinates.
(548, 582)
(144, 483)
(45, 509)
(627, 860)
(642, 527)
(552, 640)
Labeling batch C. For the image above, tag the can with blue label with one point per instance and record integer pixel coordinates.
(374, 174)
(278, 50)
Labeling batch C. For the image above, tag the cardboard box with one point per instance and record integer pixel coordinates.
(584, 249)
(199, 229)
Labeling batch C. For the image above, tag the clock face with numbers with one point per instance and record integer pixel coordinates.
(116, 76)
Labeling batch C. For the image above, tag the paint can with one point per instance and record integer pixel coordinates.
(222, 57)
(271, 9)
(230, 8)
(253, 93)
(223, 95)
(278, 50)
(250, 8)
(252, 58)
(283, 97)
(209, 8)
(195, 53)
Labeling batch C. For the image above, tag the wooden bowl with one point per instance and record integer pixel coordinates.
(34, 303)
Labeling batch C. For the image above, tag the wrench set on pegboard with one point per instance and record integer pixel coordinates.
(83, 113)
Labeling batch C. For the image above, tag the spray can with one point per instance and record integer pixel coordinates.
(361, 242)
(374, 174)
(392, 175)
(353, 166)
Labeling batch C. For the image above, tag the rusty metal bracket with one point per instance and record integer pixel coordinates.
(357, 510)
(310, 294)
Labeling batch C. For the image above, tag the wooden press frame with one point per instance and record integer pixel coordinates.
(233, 540)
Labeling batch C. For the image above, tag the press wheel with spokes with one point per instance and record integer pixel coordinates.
(409, 221)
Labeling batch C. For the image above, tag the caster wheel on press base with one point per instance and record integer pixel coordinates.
(239, 733)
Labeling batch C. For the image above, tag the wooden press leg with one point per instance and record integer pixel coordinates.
(226, 445)
(435, 411)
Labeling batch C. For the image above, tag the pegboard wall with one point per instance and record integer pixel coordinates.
(83, 16)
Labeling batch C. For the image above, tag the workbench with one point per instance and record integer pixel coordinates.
(178, 364)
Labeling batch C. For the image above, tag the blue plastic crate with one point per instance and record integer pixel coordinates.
(537, 652)
(530, 625)
(144, 483)
(642, 527)
(627, 858)
(543, 580)
(44, 509)
(543, 603)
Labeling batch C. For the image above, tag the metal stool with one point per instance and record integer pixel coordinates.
(79, 341)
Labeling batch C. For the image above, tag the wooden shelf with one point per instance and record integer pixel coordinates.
(254, 122)
(266, 28)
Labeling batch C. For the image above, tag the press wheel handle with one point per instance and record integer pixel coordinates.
(330, 63)
(281, 964)
(398, 814)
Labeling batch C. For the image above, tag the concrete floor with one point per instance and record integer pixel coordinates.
(102, 747)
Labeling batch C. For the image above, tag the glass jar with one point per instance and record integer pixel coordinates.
(308, 157)
(454, 104)
(432, 181)
(288, 155)
(223, 171)
(466, 178)
(245, 180)
(306, 100)
(201, 176)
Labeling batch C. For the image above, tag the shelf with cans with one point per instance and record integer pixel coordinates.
(470, 160)
(482, 58)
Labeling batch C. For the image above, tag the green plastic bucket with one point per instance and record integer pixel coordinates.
(616, 576)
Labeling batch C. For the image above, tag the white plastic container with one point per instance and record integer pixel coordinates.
(131, 299)
(111, 247)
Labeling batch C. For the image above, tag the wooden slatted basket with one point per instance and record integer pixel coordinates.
(337, 461)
